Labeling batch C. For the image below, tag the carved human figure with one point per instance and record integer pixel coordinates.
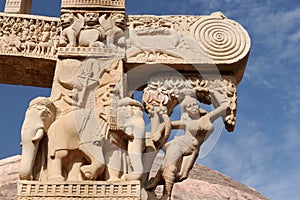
(182, 151)
(31, 40)
(39, 116)
(44, 40)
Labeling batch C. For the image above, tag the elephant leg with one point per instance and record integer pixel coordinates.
(74, 173)
(114, 161)
(55, 166)
(135, 153)
(97, 166)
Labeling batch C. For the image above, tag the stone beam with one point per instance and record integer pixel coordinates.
(210, 44)
(28, 49)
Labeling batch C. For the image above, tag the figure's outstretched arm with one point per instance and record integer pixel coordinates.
(220, 102)
(178, 124)
(218, 112)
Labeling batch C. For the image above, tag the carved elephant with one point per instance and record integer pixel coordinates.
(68, 156)
(130, 119)
(39, 116)
(70, 137)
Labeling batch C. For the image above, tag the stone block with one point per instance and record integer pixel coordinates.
(18, 6)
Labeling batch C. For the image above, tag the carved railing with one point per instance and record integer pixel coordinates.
(29, 36)
(76, 190)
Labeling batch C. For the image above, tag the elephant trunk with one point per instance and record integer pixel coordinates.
(27, 161)
(29, 151)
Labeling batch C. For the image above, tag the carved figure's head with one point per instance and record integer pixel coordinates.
(31, 22)
(190, 108)
(91, 18)
(67, 19)
(47, 27)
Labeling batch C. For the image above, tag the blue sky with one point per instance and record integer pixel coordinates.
(264, 150)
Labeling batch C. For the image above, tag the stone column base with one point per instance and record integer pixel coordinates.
(86, 190)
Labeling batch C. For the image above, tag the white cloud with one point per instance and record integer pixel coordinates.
(256, 158)
(295, 37)
(291, 142)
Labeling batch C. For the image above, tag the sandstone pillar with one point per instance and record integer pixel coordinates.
(18, 6)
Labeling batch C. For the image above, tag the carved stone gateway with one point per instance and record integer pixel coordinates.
(88, 140)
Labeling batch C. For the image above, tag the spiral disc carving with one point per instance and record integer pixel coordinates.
(224, 40)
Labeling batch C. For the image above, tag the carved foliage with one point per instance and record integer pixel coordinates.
(168, 91)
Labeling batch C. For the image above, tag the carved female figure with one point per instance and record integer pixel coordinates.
(182, 151)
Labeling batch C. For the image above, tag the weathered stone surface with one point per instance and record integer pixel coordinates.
(203, 183)
(196, 189)
(9, 169)
(26, 71)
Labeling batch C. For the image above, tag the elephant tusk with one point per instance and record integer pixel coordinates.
(38, 136)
